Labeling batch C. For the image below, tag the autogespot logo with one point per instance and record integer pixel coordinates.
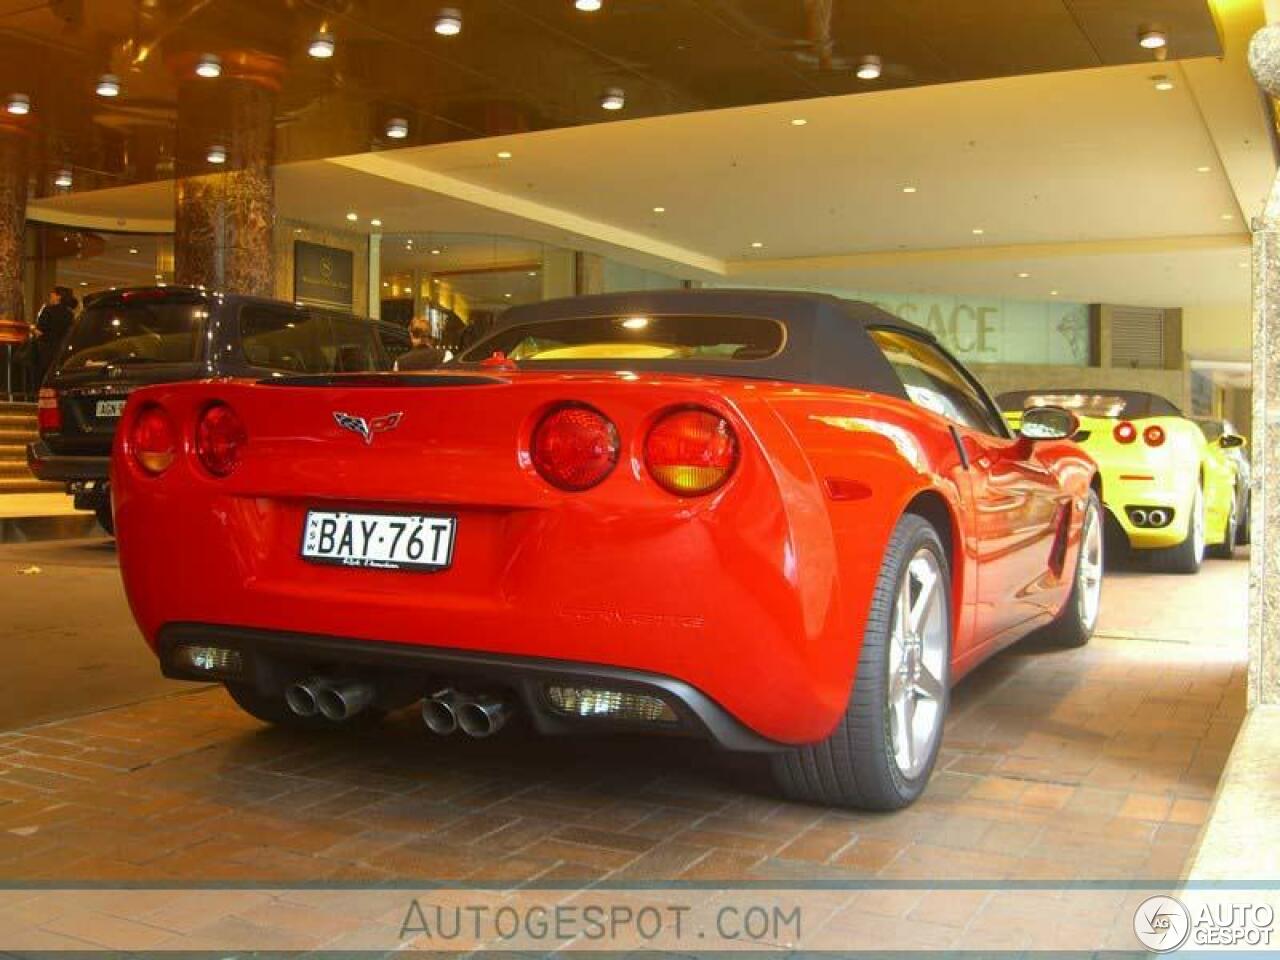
(1162, 924)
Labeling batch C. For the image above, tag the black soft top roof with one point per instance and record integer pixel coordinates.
(827, 340)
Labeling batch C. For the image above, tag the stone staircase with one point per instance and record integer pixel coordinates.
(17, 428)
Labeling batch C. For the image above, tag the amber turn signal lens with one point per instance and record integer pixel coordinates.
(691, 452)
(575, 447)
(154, 440)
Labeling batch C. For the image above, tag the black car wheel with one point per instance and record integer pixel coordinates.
(105, 520)
(1075, 624)
(1187, 556)
(1227, 548)
(881, 753)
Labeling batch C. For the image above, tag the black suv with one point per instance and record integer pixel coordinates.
(135, 337)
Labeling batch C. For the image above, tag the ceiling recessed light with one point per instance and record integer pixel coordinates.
(613, 99)
(18, 104)
(588, 6)
(507, 296)
(756, 244)
(448, 22)
(1228, 216)
(159, 276)
(1162, 83)
(217, 154)
(908, 189)
(1203, 169)
(978, 231)
(504, 154)
(209, 66)
(635, 323)
(533, 273)
(62, 178)
(375, 222)
(799, 121)
(1243, 263)
(385, 283)
(322, 45)
(1151, 39)
(659, 209)
(1023, 275)
(397, 128)
(869, 68)
(435, 251)
(1053, 293)
(353, 216)
(84, 283)
(133, 250)
(108, 85)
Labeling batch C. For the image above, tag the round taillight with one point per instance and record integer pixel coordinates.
(574, 448)
(220, 436)
(1153, 436)
(154, 440)
(1125, 432)
(691, 452)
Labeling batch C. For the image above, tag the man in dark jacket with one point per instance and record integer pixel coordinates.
(53, 323)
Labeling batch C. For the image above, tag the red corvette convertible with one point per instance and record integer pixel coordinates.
(782, 522)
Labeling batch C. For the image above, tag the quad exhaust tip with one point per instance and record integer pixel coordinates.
(447, 711)
(334, 700)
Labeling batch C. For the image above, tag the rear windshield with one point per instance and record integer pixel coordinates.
(138, 332)
(636, 338)
(300, 341)
(1110, 404)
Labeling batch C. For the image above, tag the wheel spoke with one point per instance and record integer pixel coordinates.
(924, 600)
(908, 740)
(927, 685)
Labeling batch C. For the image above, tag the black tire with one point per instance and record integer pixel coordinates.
(275, 711)
(1186, 557)
(1227, 548)
(105, 520)
(1072, 627)
(1246, 518)
(855, 765)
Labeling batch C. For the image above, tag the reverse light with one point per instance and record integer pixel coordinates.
(48, 413)
(575, 447)
(611, 704)
(691, 452)
(1153, 436)
(1125, 432)
(154, 440)
(220, 436)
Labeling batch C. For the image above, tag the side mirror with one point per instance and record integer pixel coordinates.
(1230, 441)
(1048, 423)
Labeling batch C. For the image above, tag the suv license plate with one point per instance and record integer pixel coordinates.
(378, 541)
(109, 408)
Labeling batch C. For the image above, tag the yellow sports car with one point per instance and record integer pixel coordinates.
(1168, 490)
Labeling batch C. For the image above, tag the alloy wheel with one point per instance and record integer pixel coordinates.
(917, 663)
(1089, 568)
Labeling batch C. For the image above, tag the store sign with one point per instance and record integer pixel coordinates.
(997, 331)
(323, 276)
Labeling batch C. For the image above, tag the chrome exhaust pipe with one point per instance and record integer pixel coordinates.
(440, 712)
(1157, 518)
(303, 697)
(483, 716)
(1139, 517)
(342, 701)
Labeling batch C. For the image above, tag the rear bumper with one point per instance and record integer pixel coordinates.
(47, 465)
(271, 660)
(1128, 488)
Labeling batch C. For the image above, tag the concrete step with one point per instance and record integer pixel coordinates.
(15, 435)
(28, 484)
(12, 420)
(17, 406)
(14, 468)
(13, 451)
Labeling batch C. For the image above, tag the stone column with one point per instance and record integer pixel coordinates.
(225, 217)
(13, 216)
(1264, 564)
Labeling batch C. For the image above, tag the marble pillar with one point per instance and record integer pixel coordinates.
(1264, 572)
(225, 215)
(13, 215)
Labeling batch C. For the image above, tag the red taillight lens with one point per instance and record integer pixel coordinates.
(1125, 432)
(1153, 436)
(48, 413)
(220, 436)
(153, 440)
(691, 452)
(574, 448)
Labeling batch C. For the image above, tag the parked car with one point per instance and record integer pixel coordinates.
(1227, 442)
(780, 522)
(131, 338)
(1164, 489)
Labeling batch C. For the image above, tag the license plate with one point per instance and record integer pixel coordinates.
(109, 408)
(378, 541)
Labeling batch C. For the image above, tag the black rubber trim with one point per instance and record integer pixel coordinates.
(959, 442)
(47, 465)
(273, 659)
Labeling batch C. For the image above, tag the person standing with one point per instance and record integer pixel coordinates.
(53, 322)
